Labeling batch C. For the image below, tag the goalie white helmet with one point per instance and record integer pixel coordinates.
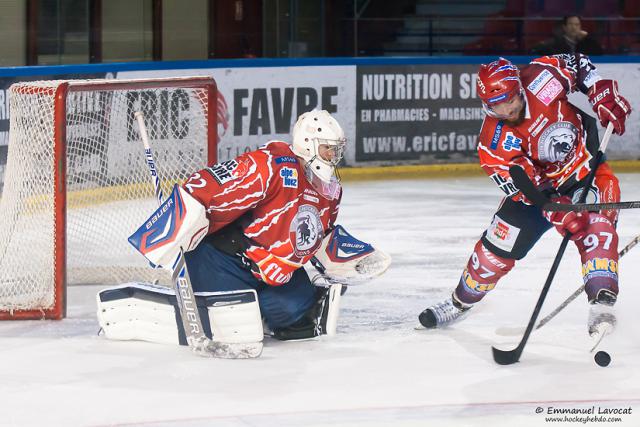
(319, 140)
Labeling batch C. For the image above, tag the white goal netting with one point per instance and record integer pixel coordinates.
(109, 191)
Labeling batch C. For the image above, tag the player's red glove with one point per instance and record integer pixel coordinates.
(575, 223)
(609, 105)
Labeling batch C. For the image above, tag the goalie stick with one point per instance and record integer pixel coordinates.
(508, 357)
(149, 155)
(199, 343)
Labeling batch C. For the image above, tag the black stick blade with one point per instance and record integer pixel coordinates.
(524, 184)
(506, 357)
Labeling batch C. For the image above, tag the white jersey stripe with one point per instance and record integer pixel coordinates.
(274, 219)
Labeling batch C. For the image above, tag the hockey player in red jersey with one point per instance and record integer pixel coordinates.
(530, 123)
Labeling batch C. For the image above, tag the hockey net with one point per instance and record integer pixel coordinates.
(77, 183)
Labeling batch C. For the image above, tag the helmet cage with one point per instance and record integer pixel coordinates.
(334, 151)
(319, 141)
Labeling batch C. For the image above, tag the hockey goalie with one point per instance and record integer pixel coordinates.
(250, 228)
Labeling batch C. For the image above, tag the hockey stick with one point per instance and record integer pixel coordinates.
(528, 188)
(191, 321)
(149, 154)
(569, 300)
(508, 357)
(566, 207)
(579, 291)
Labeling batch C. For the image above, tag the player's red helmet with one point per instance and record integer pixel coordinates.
(498, 82)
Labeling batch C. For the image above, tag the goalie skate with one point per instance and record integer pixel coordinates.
(443, 314)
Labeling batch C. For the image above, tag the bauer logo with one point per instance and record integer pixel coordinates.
(538, 125)
(540, 80)
(159, 213)
(289, 177)
(599, 97)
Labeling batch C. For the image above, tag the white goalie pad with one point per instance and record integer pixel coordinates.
(146, 312)
(329, 317)
(344, 259)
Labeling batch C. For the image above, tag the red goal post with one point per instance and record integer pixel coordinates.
(76, 182)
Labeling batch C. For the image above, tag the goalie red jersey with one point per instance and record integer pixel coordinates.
(288, 217)
(549, 143)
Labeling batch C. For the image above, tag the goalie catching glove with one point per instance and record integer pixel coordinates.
(344, 259)
(179, 222)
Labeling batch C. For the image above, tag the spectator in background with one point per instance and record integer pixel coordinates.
(571, 39)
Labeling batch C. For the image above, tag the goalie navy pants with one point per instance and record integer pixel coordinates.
(212, 270)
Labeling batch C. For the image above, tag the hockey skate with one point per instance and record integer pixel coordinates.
(443, 314)
(601, 314)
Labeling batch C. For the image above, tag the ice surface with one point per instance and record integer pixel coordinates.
(378, 370)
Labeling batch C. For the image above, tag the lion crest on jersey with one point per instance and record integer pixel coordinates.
(305, 231)
(557, 141)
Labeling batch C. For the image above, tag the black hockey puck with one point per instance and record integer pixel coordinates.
(602, 358)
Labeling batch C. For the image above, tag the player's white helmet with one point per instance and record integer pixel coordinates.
(320, 141)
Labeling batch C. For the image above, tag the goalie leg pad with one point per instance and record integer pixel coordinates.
(321, 319)
(282, 306)
(146, 312)
(213, 270)
(481, 274)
